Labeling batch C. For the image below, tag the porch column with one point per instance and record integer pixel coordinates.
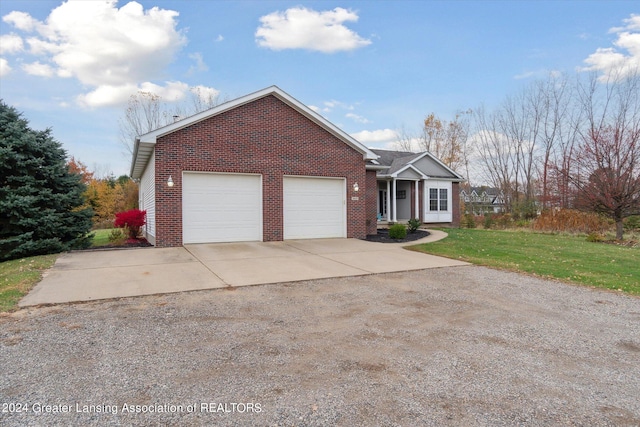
(393, 201)
(425, 200)
(388, 218)
(417, 202)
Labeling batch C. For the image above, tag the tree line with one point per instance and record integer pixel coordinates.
(107, 195)
(557, 143)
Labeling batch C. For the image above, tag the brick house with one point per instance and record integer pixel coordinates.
(262, 167)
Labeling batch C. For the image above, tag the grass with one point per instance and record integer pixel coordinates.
(18, 276)
(564, 257)
(101, 237)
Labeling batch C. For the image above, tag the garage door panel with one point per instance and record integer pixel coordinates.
(221, 208)
(314, 208)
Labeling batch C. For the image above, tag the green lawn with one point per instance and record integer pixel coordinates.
(564, 257)
(101, 237)
(18, 276)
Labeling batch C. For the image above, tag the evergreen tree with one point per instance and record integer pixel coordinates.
(40, 200)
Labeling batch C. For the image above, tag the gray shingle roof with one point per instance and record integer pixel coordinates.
(395, 160)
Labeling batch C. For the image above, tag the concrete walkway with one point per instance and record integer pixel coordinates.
(93, 275)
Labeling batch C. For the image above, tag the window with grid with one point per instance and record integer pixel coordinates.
(433, 199)
(443, 199)
(438, 199)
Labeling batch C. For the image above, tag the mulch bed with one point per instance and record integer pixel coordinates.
(129, 243)
(383, 236)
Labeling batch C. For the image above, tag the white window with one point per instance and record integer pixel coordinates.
(438, 199)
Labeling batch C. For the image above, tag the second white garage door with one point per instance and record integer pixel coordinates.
(221, 208)
(314, 208)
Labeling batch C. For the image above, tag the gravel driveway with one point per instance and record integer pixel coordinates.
(447, 346)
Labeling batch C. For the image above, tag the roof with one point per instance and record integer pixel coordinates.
(145, 144)
(399, 161)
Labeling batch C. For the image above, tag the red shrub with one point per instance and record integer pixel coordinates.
(132, 220)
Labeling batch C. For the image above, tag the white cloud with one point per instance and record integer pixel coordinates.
(38, 69)
(21, 20)
(333, 104)
(171, 91)
(206, 95)
(219, 38)
(10, 43)
(302, 28)
(357, 118)
(379, 136)
(107, 95)
(525, 75)
(613, 62)
(4, 67)
(632, 23)
(199, 63)
(315, 108)
(106, 48)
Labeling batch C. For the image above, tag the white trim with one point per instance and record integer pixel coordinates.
(389, 207)
(434, 158)
(394, 201)
(416, 201)
(409, 166)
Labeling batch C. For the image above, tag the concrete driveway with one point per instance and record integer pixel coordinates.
(94, 275)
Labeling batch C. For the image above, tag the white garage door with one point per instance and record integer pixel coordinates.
(314, 208)
(221, 208)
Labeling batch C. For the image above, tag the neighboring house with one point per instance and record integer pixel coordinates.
(416, 185)
(481, 200)
(265, 167)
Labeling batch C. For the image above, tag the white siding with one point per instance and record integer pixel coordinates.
(431, 216)
(147, 198)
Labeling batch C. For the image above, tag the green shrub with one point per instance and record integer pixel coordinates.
(595, 237)
(398, 231)
(488, 221)
(118, 235)
(632, 223)
(526, 209)
(468, 221)
(414, 224)
(504, 220)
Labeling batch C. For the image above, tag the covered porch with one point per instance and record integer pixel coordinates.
(400, 199)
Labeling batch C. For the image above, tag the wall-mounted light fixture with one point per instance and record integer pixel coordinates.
(169, 182)
(355, 187)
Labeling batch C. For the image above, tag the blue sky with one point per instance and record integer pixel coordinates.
(370, 67)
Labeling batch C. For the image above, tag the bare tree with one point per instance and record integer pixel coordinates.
(608, 176)
(494, 152)
(147, 111)
(406, 141)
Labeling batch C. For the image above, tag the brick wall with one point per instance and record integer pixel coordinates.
(266, 137)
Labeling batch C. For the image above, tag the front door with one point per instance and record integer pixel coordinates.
(382, 204)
